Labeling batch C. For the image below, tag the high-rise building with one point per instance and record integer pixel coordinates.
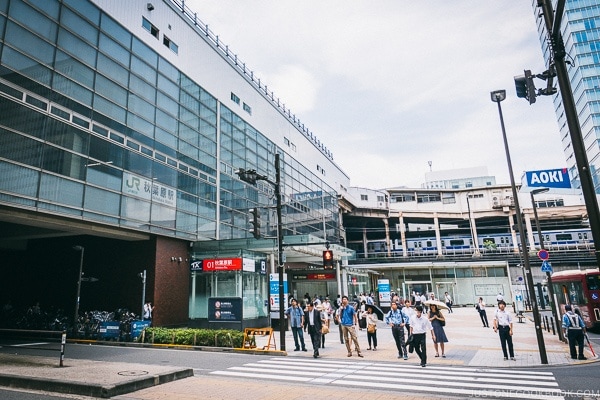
(580, 28)
(128, 120)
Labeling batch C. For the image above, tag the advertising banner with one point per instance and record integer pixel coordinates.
(274, 291)
(551, 178)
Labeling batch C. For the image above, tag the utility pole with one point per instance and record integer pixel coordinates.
(251, 176)
(557, 60)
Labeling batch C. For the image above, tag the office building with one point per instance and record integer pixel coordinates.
(580, 27)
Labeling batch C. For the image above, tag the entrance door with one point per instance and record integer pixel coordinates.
(417, 287)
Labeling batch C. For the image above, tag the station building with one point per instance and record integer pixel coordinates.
(122, 126)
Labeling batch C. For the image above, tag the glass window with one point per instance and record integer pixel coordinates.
(168, 87)
(114, 50)
(112, 28)
(59, 190)
(144, 70)
(75, 70)
(109, 108)
(167, 69)
(163, 216)
(135, 209)
(63, 162)
(147, 25)
(142, 88)
(72, 89)
(167, 103)
(165, 137)
(141, 107)
(138, 164)
(21, 149)
(144, 52)
(166, 121)
(26, 185)
(113, 69)
(79, 25)
(80, 49)
(90, 11)
(106, 152)
(101, 201)
(104, 176)
(27, 42)
(49, 7)
(111, 90)
(139, 124)
(35, 21)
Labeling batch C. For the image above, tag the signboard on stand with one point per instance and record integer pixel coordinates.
(383, 287)
(274, 293)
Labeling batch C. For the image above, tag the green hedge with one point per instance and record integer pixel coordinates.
(193, 337)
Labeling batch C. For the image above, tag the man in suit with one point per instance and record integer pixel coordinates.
(312, 325)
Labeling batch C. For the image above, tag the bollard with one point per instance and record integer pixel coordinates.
(546, 323)
(63, 342)
(552, 322)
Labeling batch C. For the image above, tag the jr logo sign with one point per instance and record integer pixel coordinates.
(551, 178)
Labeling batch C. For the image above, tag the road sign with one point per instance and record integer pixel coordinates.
(543, 254)
(546, 267)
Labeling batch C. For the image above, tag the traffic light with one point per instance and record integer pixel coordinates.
(328, 259)
(525, 86)
(255, 212)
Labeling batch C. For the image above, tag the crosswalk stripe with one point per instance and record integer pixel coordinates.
(476, 382)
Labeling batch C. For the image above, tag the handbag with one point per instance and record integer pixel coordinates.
(324, 329)
(371, 328)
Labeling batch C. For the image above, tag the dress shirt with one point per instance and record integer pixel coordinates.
(503, 317)
(420, 325)
(394, 317)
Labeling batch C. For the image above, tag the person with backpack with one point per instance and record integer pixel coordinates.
(395, 319)
(574, 329)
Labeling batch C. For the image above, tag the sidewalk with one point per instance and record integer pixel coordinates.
(469, 345)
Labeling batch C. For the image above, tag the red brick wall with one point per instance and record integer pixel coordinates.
(170, 283)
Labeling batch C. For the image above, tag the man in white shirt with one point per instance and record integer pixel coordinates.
(503, 325)
(419, 326)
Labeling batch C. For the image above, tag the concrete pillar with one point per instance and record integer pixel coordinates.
(438, 239)
(513, 233)
(530, 237)
(387, 237)
(403, 237)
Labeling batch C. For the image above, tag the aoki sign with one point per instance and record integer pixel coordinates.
(551, 178)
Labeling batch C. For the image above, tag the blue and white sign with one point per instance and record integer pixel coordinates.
(546, 266)
(550, 178)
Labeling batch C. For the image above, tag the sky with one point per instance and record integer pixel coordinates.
(389, 86)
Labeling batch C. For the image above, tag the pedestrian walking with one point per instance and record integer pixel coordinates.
(574, 329)
(438, 322)
(395, 319)
(499, 298)
(419, 326)
(296, 318)
(503, 324)
(408, 313)
(323, 309)
(448, 301)
(480, 307)
(313, 325)
(336, 318)
(348, 321)
(371, 328)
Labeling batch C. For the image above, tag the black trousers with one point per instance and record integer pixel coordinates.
(575, 337)
(420, 346)
(398, 334)
(315, 338)
(506, 338)
(483, 316)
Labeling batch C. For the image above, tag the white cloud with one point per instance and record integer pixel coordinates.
(391, 85)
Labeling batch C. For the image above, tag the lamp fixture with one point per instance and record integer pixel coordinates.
(150, 6)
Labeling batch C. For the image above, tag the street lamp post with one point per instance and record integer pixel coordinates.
(498, 96)
(250, 176)
(548, 275)
(76, 315)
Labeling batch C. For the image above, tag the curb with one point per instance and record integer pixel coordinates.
(90, 389)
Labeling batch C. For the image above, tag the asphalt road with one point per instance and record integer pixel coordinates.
(576, 382)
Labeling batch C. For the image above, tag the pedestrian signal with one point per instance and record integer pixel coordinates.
(328, 259)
